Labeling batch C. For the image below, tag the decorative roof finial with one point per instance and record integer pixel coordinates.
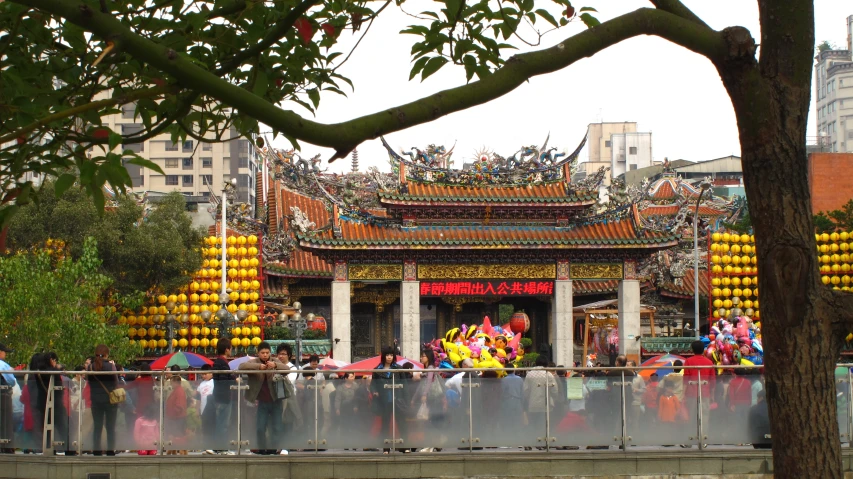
(355, 161)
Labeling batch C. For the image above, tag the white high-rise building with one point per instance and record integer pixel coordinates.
(629, 151)
(834, 96)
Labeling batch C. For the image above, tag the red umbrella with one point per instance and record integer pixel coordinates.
(371, 363)
(183, 359)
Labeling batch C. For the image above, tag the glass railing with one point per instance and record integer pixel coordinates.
(390, 411)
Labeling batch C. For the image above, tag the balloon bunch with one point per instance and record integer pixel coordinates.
(737, 343)
(487, 346)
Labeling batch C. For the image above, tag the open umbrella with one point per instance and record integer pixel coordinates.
(181, 359)
(664, 361)
(329, 364)
(235, 363)
(371, 363)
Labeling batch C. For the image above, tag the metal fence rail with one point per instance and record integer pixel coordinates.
(392, 410)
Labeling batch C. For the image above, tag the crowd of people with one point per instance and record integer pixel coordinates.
(286, 406)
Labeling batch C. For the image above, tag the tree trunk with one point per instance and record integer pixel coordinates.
(800, 346)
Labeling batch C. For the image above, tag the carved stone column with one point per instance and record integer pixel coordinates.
(341, 315)
(562, 328)
(629, 318)
(410, 312)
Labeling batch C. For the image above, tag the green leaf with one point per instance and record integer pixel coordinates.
(261, 83)
(588, 9)
(114, 140)
(139, 161)
(418, 66)
(62, 184)
(314, 95)
(589, 20)
(432, 66)
(547, 16)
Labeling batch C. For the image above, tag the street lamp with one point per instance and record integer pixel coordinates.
(294, 320)
(705, 185)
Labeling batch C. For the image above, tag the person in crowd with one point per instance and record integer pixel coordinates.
(537, 384)
(6, 418)
(405, 409)
(146, 431)
(638, 390)
(739, 394)
(291, 410)
(692, 377)
(205, 387)
(262, 391)
(222, 383)
(669, 407)
(650, 400)
(759, 423)
(347, 405)
(674, 380)
(314, 363)
(103, 412)
(175, 412)
(512, 394)
(60, 399)
(383, 397)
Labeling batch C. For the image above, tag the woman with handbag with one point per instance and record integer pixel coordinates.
(105, 401)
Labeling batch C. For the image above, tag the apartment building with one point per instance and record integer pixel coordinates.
(191, 167)
(834, 96)
(629, 151)
(618, 146)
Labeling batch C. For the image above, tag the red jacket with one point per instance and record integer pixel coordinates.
(692, 375)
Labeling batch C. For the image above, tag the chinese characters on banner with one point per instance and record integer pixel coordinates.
(486, 288)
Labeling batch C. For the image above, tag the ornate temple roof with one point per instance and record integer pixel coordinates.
(554, 193)
(670, 187)
(300, 263)
(683, 288)
(672, 210)
(601, 235)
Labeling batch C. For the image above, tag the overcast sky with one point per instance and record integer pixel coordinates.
(670, 91)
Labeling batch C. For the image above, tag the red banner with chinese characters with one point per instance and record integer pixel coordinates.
(487, 288)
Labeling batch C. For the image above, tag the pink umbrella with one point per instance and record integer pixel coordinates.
(329, 364)
(371, 363)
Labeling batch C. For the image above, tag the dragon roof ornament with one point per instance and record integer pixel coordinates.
(529, 164)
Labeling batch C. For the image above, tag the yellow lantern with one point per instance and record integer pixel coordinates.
(824, 237)
(245, 342)
(252, 318)
(744, 238)
(183, 343)
(845, 267)
(214, 285)
(836, 279)
(844, 236)
(726, 259)
(233, 263)
(745, 259)
(235, 342)
(162, 299)
(183, 331)
(747, 303)
(161, 343)
(232, 308)
(204, 286)
(735, 249)
(254, 296)
(734, 238)
(724, 248)
(716, 269)
(253, 251)
(242, 307)
(747, 249)
(204, 297)
(214, 298)
(844, 247)
(256, 341)
(252, 239)
(233, 296)
(728, 269)
(194, 298)
(194, 342)
(242, 251)
(715, 247)
(726, 237)
(242, 296)
(214, 342)
(232, 241)
(716, 237)
(716, 314)
(195, 330)
(232, 273)
(232, 251)
(131, 332)
(718, 303)
(252, 307)
(735, 259)
(252, 273)
(727, 292)
(845, 279)
(205, 331)
(747, 292)
(755, 291)
(755, 304)
(245, 285)
(194, 318)
(727, 303)
(144, 344)
(737, 292)
(833, 247)
(726, 281)
(834, 237)
(254, 262)
(242, 273)
(825, 258)
(204, 342)
(736, 281)
(244, 263)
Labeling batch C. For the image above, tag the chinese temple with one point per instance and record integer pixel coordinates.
(404, 255)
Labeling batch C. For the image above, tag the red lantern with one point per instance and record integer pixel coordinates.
(519, 323)
(319, 324)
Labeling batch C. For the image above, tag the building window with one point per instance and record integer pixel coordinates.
(188, 163)
(207, 147)
(632, 150)
(207, 179)
(171, 180)
(207, 162)
(205, 194)
(128, 130)
(188, 180)
(607, 143)
(633, 167)
(171, 162)
(243, 163)
(188, 146)
(128, 111)
(171, 146)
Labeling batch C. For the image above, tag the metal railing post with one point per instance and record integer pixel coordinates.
(699, 413)
(6, 441)
(316, 415)
(48, 423)
(80, 405)
(470, 413)
(624, 415)
(160, 447)
(240, 387)
(548, 411)
(849, 408)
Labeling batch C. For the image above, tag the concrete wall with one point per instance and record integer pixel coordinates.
(741, 463)
(830, 188)
(630, 151)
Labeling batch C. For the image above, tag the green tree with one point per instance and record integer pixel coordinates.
(200, 57)
(138, 254)
(51, 305)
(823, 224)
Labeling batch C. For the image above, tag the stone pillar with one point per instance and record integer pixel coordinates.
(629, 318)
(562, 328)
(410, 319)
(341, 317)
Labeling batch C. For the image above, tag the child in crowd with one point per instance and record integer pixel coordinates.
(146, 431)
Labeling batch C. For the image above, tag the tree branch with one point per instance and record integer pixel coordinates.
(119, 100)
(343, 137)
(275, 34)
(675, 7)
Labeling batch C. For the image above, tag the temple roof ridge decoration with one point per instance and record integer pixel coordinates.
(528, 165)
